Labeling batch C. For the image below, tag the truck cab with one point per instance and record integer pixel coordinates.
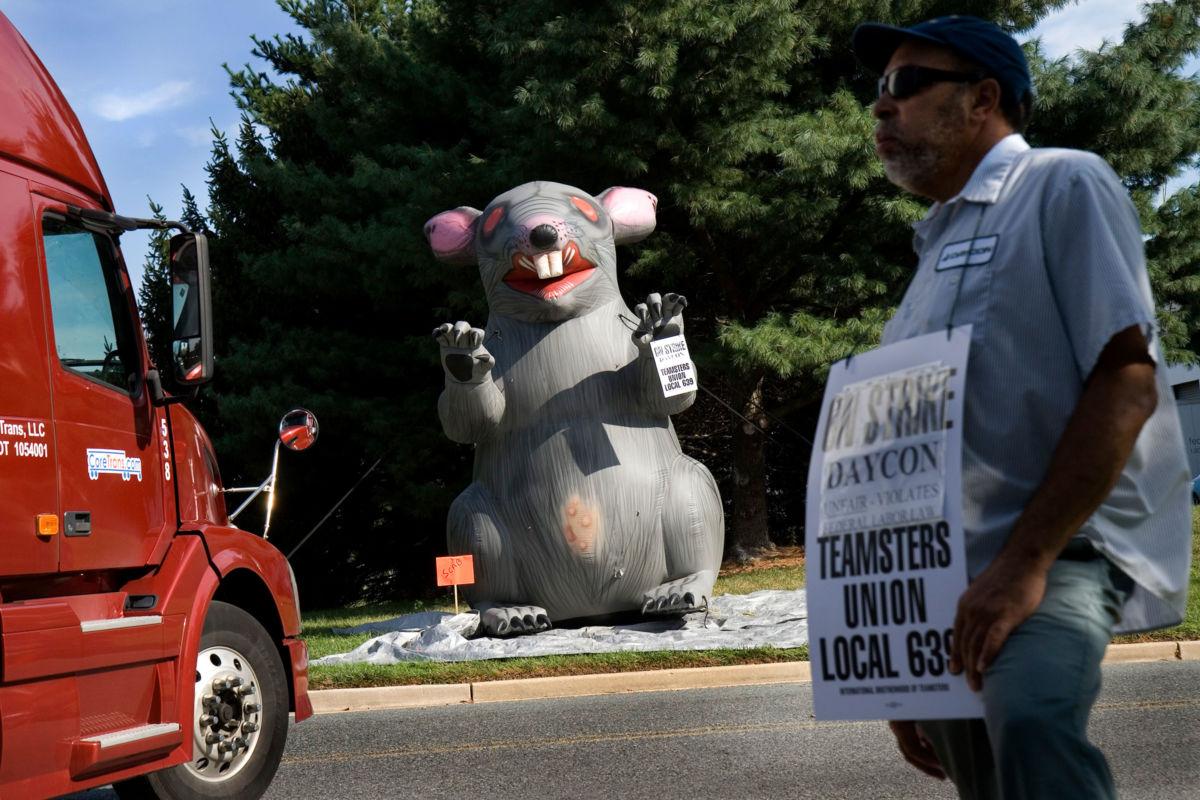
(145, 640)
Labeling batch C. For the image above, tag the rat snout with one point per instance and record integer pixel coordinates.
(543, 237)
(540, 248)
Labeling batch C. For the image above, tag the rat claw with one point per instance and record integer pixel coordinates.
(654, 301)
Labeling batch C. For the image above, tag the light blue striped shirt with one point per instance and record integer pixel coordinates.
(1042, 253)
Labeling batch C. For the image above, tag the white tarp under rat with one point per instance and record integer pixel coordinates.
(768, 617)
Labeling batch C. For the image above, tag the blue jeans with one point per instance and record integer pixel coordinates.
(1037, 695)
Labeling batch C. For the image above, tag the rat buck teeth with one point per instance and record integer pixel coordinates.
(546, 265)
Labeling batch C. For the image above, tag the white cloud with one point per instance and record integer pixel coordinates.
(1086, 25)
(117, 107)
(196, 135)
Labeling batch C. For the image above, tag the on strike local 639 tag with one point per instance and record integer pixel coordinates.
(675, 369)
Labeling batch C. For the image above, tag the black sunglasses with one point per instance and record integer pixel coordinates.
(906, 81)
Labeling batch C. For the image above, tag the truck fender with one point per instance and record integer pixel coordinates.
(251, 574)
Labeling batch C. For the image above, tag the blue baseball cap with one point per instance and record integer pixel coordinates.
(997, 53)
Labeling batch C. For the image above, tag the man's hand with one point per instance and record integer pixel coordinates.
(916, 749)
(995, 603)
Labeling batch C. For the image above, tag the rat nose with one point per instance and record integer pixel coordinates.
(543, 236)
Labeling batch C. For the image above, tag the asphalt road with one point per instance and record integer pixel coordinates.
(745, 743)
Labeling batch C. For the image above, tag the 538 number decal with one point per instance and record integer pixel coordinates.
(166, 449)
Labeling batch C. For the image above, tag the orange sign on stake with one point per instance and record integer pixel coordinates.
(455, 570)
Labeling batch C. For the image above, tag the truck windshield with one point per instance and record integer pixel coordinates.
(91, 332)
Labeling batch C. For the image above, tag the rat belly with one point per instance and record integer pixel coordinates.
(582, 505)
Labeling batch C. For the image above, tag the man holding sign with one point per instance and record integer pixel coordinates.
(1073, 480)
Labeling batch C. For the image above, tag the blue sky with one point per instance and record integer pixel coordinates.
(146, 79)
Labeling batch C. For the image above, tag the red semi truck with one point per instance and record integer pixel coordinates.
(144, 640)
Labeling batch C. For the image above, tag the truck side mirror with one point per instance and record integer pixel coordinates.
(298, 429)
(192, 341)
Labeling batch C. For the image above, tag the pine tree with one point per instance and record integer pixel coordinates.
(1131, 103)
(154, 295)
(751, 123)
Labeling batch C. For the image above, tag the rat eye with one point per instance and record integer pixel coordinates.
(493, 220)
(586, 208)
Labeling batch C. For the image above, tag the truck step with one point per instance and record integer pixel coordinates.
(93, 625)
(48, 638)
(112, 750)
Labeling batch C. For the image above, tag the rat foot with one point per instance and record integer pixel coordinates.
(502, 620)
(680, 595)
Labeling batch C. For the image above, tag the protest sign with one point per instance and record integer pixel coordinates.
(884, 540)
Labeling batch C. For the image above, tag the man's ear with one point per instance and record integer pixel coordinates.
(986, 99)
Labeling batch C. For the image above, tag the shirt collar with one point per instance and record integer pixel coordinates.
(988, 177)
(982, 187)
(986, 181)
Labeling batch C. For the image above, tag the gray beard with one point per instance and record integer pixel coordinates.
(925, 157)
(911, 168)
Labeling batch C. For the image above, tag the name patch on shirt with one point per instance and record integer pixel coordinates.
(968, 253)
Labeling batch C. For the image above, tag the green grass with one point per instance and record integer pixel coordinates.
(753, 580)
(322, 641)
(319, 625)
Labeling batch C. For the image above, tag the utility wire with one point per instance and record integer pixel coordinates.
(733, 410)
(751, 423)
(335, 507)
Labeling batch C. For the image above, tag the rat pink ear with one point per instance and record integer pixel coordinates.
(632, 212)
(451, 234)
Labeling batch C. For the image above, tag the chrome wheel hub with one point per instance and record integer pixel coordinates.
(228, 714)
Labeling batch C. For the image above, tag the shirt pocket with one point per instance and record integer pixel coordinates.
(963, 272)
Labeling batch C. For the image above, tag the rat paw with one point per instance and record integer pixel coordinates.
(659, 317)
(464, 357)
(498, 620)
(678, 596)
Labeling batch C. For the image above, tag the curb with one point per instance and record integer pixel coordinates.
(329, 701)
(649, 681)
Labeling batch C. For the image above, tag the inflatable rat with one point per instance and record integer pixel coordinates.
(582, 502)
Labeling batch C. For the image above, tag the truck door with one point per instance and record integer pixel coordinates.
(110, 462)
(27, 453)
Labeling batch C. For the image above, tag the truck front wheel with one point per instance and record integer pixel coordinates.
(239, 718)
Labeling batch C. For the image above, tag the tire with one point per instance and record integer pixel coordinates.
(240, 760)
